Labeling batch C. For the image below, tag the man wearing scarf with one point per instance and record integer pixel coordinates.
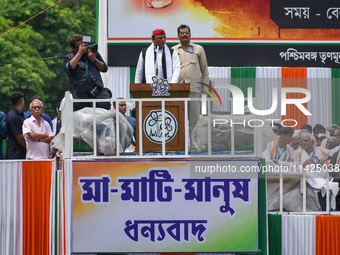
(279, 152)
(158, 60)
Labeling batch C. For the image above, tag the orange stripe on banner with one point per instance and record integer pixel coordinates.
(295, 77)
(327, 235)
(59, 213)
(36, 185)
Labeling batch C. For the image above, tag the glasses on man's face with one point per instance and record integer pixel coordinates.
(122, 105)
(305, 141)
(184, 33)
(36, 107)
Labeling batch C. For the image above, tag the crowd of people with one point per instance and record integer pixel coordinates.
(315, 150)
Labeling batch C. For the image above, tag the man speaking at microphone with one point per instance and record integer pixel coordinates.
(158, 60)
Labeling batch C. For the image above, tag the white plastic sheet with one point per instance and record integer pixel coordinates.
(105, 131)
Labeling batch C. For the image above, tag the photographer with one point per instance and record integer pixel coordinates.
(83, 68)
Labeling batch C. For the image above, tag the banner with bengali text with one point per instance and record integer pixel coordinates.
(165, 206)
(288, 33)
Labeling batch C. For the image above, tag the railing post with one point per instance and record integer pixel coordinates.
(117, 128)
(67, 122)
(94, 134)
(209, 128)
(258, 141)
(186, 130)
(281, 192)
(140, 127)
(163, 128)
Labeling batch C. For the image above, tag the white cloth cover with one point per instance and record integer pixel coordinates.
(11, 211)
(319, 83)
(106, 131)
(268, 78)
(219, 76)
(119, 81)
(221, 134)
(298, 234)
(292, 196)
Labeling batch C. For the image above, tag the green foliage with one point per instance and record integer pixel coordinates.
(31, 55)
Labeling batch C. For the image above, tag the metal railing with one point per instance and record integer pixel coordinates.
(302, 177)
(67, 121)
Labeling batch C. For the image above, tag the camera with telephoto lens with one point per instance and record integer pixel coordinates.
(93, 47)
(98, 86)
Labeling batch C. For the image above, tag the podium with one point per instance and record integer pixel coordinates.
(152, 117)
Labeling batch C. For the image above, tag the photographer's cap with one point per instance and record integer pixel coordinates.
(158, 32)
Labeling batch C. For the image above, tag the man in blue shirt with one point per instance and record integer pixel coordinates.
(16, 145)
(3, 131)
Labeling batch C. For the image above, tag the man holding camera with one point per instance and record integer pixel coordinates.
(83, 68)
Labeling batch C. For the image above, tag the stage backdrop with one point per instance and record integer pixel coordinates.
(165, 206)
(260, 33)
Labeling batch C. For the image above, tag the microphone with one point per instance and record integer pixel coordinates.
(156, 64)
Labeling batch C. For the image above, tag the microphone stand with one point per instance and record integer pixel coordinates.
(156, 63)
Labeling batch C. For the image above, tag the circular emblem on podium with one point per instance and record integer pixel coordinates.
(153, 126)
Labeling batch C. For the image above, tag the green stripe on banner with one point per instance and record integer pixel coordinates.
(274, 234)
(335, 95)
(243, 77)
(262, 213)
(132, 74)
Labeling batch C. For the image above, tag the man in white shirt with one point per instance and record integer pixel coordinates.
(37, 133)
(158, 61)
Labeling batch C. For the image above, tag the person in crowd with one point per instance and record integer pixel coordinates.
(331, 143)
(27, 114)
(132, 122)
(314, 160)
(133, 113)
(56, 122)
(335, 149)
(307, 127)
(16, 145)
(122, 109)
(295, 143)
(335, 126)
(83, 67)
(310, 154)
(37, 132)
(157, 61)
(276, 127)
(279, 151)
(299, 148)
(3, 131)
(321, 138)
(194, 70)
(330, 130)
(317, 140)
(319, 129)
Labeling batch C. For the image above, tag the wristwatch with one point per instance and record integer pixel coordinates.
(95, 61)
